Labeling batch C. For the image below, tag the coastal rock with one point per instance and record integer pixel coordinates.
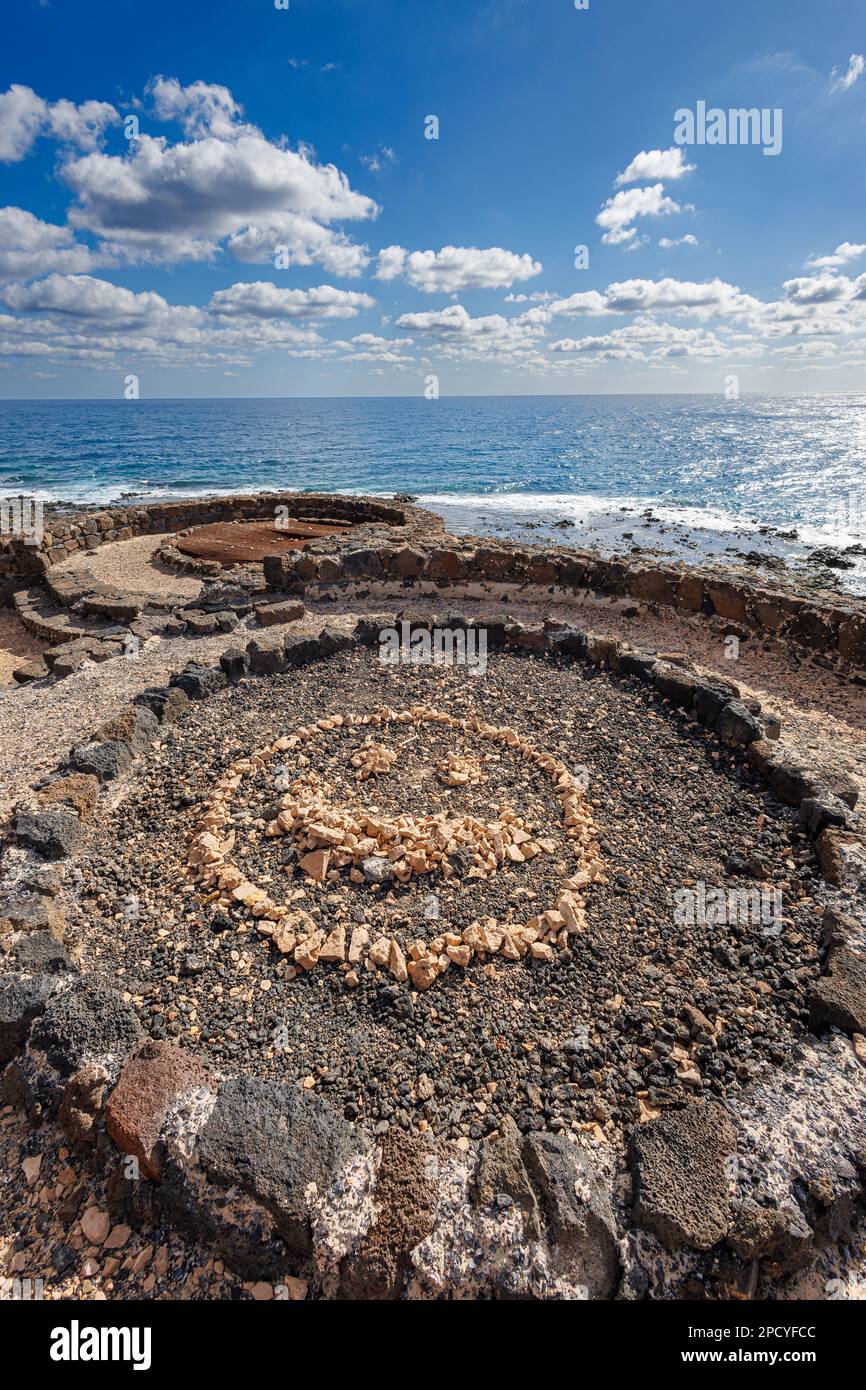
(273, 614)
(199, 682)
(104, 761)
(22, 1000)
(167, 702)
(84, 1024)
(153, 1077)
(578, 1211)
(736, 726)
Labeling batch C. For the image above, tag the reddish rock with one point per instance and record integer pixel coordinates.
(690, 593)
(79, 789)
(654, 586)
(728, 601)
(152, 1078)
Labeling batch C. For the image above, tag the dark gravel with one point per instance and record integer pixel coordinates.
(589, 1039)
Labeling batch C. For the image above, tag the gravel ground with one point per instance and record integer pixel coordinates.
(57, 1229)
(599, 1038)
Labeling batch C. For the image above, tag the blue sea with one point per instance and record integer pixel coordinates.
(785, 474)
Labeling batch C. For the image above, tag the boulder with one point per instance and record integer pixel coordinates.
(53, 834)
(838, 999)
(272, 1142)
(679, 1167)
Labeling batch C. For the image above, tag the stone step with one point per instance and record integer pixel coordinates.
(43, 617)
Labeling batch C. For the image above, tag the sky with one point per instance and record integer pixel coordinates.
(376, 197)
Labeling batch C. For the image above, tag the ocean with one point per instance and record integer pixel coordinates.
(779, 475)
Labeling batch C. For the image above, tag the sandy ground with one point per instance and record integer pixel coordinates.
(130, 565)
(16, 645)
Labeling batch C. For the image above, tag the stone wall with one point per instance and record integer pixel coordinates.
(68, 533)
(829, 628)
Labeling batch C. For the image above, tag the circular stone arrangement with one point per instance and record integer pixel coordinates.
(378, 849)
(644, 1085)
(301, 968)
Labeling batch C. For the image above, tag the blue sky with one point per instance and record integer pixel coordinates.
(281, 225)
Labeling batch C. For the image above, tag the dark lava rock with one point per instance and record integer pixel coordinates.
(674, 685)
(578, 1210)
(53, 834)
(21, 1001)
(105, 761)
(85, 1022)
(710, 700)
(198, 682)
(235, 663)
(201, 624)
(736, 726)
(331, 642)
(783, 1234)
(567, 641)
(838, 999)
(266, 655)
(639, 664)
(272, 1141)
(817, 812)
(405, 1199)
(27, 912)
(501, 1171)
(166, 702)
(678, 1163)
(40, 953)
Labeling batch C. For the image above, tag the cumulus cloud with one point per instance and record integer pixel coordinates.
(24, 116)
(655, 164)
(262, 299)
(164, 202)
(842, 81)
(701, 300)
(295, 240)
(29, 246)
(84, 296)
(456, 268)
(668, 243)
(458, 335)
(202, 108)
(847, 251)
(620, 211)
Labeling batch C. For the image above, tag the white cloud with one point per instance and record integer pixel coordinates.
(165, 202)
(458, 335)
(845, 80)
(456, 268)
(656, 164)
(847, 251)
(668, 243)
(380, 160)
(29, 246)
(620, 211)
(202, 108)
(84, 296)
(699, 300)
(302, 241)
(262, 299)
(24, 116)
